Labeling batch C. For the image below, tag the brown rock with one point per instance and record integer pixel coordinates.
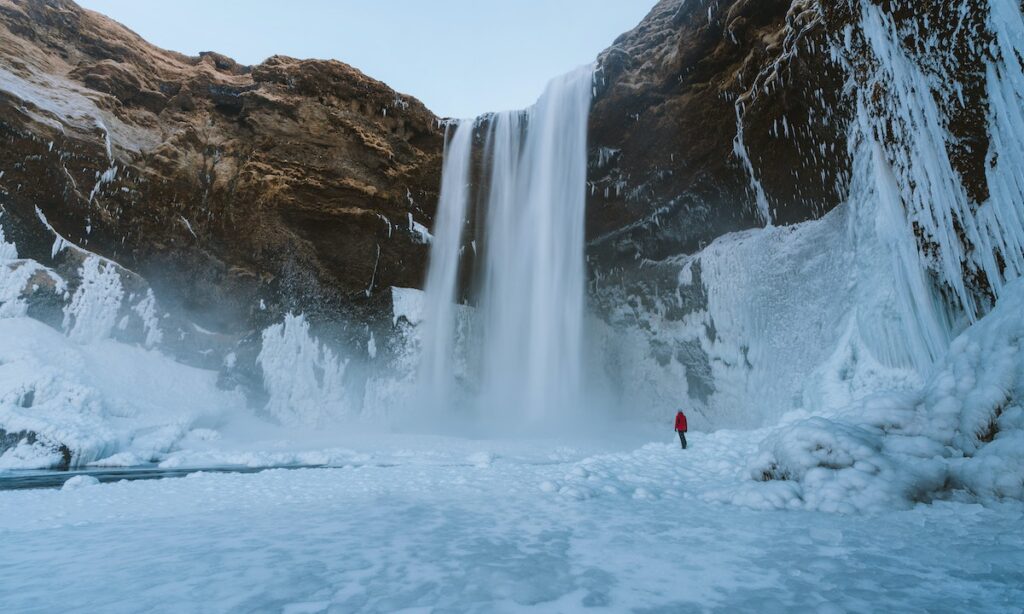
(222, 184)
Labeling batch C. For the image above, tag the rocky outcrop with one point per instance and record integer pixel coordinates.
(238, 192)
(684, 98)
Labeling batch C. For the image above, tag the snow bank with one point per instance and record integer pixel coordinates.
(79, 482)
(77, 403)
(80, 397)
(961, 434)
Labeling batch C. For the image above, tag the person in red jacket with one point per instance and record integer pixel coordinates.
(681, 427)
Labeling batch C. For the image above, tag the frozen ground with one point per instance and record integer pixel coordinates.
(461, 525)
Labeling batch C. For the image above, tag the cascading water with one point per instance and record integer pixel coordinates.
(437, 365)
(531, 294)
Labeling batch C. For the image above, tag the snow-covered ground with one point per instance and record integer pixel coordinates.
(462, 525)
(907, 500)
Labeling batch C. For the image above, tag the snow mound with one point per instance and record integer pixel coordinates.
(70, 404)
(79, 481)
(961, 434)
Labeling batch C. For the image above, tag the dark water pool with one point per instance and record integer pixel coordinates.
(20, 480)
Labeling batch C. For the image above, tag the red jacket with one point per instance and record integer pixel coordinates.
(681, 422)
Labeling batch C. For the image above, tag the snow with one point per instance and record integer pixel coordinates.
(16, 276)
(419, 231)
(79, 482)
(534, 528)
(63, 104)
(960, 435)
(98, 398)
(882, 465)
(146, 310)
(406, 303)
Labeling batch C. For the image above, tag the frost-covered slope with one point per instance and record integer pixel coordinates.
(70, 402)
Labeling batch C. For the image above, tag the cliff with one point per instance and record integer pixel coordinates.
(714, 117)
(294, 184)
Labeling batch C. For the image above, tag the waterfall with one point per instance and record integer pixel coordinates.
(437, 364)
(530, 281)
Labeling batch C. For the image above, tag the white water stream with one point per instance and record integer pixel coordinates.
(528, 347)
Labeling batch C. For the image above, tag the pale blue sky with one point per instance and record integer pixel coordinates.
(460, 57)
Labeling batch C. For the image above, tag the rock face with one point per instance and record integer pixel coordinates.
(293, 184)
(689, 93)
(239, 194)
(714, 117)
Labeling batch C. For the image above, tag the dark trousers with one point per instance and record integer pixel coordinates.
(682, 438)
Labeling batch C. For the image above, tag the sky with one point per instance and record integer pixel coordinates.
(460, 57)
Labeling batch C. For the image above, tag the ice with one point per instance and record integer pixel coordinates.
(879, 384)
(121, 459)
(98, 398)
(911, 135)
(420, 231)
(17, 276)
(740, 151)
(1000, 219)
(304, 377)
(812, 317)
(407, 303)
(961, 434)
(92, 313)
(146, 310)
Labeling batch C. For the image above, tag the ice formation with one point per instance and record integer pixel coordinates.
(92, 313)
(812, 317)
(304, 378)
(74, 403)
(871, 372)
(962, 433)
